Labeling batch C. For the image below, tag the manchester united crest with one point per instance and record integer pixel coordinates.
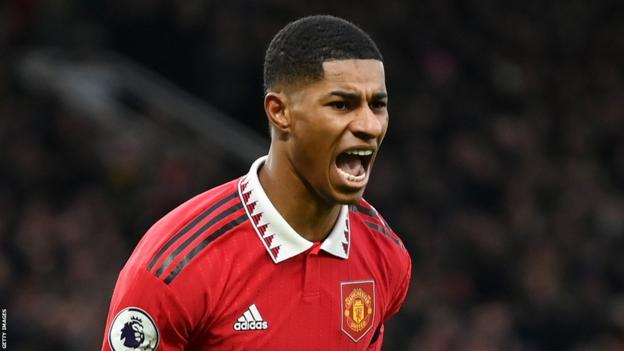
(358, 308)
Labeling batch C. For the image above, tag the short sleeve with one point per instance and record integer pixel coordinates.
(393, 307)
(377, 341)
(145, 314)
(401, 291)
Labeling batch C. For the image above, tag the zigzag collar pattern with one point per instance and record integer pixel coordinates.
(278, 237)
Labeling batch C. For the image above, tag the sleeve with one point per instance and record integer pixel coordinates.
(145, 314)
(401, 291)
(393, 307)
(377, 339)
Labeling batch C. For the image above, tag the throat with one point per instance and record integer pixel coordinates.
(317, 224)
(308, 214)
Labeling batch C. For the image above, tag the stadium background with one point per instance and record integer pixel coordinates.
(503, 169)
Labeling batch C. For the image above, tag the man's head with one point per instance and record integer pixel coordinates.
(297, 52)
(326, 102)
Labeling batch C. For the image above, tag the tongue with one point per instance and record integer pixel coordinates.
(350, 164)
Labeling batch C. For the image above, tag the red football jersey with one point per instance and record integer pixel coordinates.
(225, 271)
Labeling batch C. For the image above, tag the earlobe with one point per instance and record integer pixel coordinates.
(276, 111)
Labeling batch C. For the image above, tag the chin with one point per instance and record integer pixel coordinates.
(349, 198)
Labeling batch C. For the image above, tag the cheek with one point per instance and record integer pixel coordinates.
(312, 150)
(315, 135)
(385, 128)
(310, 155)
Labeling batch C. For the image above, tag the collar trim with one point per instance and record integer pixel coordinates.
(279, 239)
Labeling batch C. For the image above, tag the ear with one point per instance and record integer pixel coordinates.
(275, 107)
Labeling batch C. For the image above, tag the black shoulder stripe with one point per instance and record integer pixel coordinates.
(199, 231)
(174, 273)
(365, 210)
(383, 231)
(371, 213)
(188, 227)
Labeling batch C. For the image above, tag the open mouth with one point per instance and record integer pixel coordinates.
(353, 164)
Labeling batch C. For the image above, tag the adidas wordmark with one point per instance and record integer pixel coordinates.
(251, 320)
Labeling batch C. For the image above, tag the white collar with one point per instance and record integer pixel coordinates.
(279, 238)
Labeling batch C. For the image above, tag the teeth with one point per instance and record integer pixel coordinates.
(351, 177)
(360, 152)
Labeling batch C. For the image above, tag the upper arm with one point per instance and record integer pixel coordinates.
(145, 311)
(401, 289)
(394, 304)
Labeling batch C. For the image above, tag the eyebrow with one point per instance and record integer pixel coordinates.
(353, 96)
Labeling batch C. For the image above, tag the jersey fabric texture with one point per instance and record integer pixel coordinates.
(225, 271)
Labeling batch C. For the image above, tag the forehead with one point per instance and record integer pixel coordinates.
(367, 75)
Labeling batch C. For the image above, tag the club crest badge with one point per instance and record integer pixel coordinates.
(133, 329)
(358, 308)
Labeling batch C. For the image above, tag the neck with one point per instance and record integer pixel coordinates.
(306, 212)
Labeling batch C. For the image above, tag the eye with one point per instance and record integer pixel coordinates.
(378, 105)
(340, 105)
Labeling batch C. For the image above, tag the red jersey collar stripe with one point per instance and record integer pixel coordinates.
(278, 237)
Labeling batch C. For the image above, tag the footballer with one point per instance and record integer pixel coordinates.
(288, 256)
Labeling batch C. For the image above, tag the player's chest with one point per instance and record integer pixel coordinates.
(306, 303)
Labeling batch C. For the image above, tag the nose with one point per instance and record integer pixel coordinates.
(368, 125)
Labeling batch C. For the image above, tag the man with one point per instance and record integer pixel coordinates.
(289, 256)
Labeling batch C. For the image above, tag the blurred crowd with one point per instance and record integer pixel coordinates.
(503, 169)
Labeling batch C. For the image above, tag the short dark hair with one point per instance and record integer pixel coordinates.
(297, 52)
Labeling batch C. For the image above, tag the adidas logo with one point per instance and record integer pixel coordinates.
(251, 320)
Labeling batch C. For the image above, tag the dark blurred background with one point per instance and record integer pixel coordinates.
(503, 169)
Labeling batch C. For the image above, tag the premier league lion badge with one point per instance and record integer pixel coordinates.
(133, 329)
(358, 308)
